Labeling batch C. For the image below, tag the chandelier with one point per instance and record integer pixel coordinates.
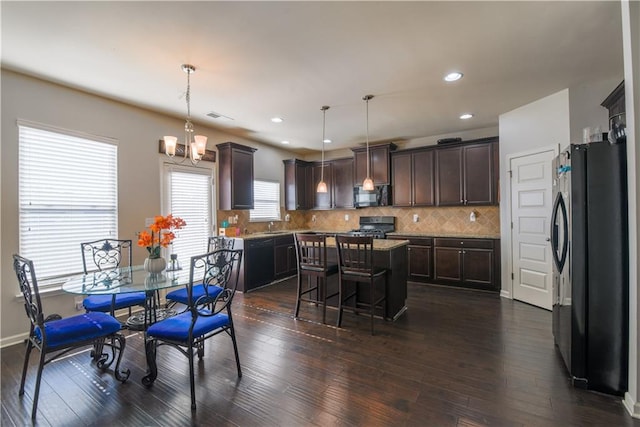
(322, 186)
(367, 184)
(194, 145)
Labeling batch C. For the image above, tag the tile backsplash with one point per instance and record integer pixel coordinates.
(430, 220)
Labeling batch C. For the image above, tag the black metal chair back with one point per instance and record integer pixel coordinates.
(29, 289)
(219, 268)
(219, 242)
(106, 254)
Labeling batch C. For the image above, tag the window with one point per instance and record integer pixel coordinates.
(68, 194)
(266, 201)
(188, 196)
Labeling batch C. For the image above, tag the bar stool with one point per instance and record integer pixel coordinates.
(311, 253)
(355, 260)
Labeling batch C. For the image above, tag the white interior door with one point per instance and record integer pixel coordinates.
(531, 205)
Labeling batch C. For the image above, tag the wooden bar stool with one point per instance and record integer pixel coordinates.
(355, 261)
(311, 253)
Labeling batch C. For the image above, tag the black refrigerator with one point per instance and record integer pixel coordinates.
(589, 237)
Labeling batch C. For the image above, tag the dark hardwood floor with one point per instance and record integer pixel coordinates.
(455, 358)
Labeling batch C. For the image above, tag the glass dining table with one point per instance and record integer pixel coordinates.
(130, 279)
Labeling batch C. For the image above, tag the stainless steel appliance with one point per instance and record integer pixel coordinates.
(375, 226)
(589, 240)
(380, 196)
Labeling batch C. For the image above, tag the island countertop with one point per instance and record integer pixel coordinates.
(394, 234)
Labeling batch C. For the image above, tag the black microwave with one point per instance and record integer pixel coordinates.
(379, 196)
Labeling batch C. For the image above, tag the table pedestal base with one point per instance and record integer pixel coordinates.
(137, 321)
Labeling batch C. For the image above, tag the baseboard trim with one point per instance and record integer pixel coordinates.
(505, 294)
(13, 340)
(631, 405)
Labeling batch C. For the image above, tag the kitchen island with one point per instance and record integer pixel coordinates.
(260, 257)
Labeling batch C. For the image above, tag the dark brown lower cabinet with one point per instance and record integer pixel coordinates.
(284, 254)
(469, 263)
(419, 258)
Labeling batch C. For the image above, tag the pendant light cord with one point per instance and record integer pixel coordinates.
(368, 159)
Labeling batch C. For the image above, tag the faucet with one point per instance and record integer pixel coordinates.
(270, 225)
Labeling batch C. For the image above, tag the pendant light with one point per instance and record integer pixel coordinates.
(322, 186)
(367, 184)
(194, 145)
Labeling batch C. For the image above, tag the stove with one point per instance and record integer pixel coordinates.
(375, 226)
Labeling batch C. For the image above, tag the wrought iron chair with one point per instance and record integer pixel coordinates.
(53, 334)
(108, 254)
(311, 253)
(355, 260)
(180, 295)
(188, 331)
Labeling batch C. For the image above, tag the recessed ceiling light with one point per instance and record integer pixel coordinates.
(452, 77)
(277, 120)
(285, 142)
(327, 141)
(466, 116)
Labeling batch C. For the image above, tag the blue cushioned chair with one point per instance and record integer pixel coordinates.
(188, 331)
(200, 290)
(107, 254)
(53, 334)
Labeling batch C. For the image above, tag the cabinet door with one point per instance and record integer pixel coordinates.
(401, 173)
(477, 267)
(322, 200)
(379, 158)
(449, 182)
(295, 185)
(301, 186)
(342, 183)
(359, 166)
(242, 179)
(478, 175)
(419, 261)
(281, 261)
(423, 182)
(448, 265)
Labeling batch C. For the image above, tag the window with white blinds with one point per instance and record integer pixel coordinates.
(266, 201)
(188, 196)
(67, 194)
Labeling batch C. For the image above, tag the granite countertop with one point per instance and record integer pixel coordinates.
(452, 235)
(277, 233)
(378, 244)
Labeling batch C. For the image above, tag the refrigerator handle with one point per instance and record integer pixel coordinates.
(559, 208)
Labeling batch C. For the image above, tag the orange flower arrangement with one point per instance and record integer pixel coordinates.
(157, 240)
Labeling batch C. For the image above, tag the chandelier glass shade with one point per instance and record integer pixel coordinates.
(194, 145)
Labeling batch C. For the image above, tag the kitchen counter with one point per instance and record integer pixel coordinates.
(451, 235)
(263, 234)
(378, 244)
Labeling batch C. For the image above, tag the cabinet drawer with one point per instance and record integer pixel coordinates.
(463, 243)
(418, 241)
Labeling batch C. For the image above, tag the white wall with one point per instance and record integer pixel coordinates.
(539, 124)
(631, 47)
(585, 109)
(139, 169)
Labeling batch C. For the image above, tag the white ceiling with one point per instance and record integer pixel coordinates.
(257, 60)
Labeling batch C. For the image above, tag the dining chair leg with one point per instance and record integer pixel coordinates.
(373, 302)
(150, 346)
(235, 348)
(36, 392)
(295, 314)
(339, 322)
(324, 299)
(25, 367)
(191, 377)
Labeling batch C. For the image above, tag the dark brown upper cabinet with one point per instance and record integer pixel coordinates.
(413, 180)
(379, 163)
(467, 174)
(297, 181)
(235, 176)
(342, 181)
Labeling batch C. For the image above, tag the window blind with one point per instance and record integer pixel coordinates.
(190, 199)
(266, 199)
(68, 194)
